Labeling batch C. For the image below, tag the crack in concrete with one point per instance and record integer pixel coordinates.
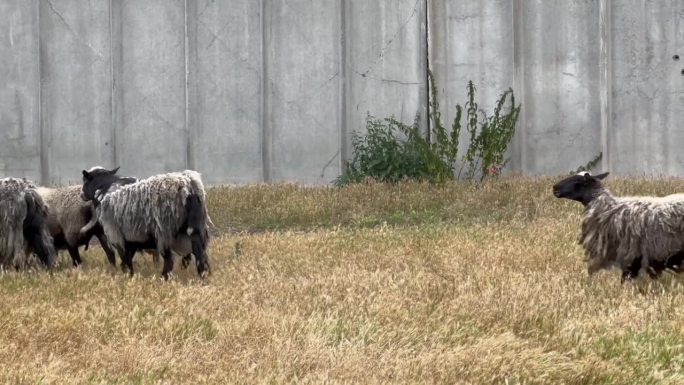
(400, 82)
(328, 164)
(383, 50)
(68, 27)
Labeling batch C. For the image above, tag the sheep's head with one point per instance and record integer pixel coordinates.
(582, 187)
(96, 182)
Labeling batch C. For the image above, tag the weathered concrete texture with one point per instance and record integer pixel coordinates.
(647, 134)
(561, 78)
(76, 87)
(385, 60)
(225, 67)
(152, 136)
(19, 94)
(247, 91)
(302, 90)
(470, 40)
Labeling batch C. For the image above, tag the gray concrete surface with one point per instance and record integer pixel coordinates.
(225, 84)
(647, 134)
(76, 82)
(20, 128)
(302, 90)
(248, 91)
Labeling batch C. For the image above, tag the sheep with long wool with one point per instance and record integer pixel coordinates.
(627, 232)
(23, 228)
(86, 230)
(165, 212)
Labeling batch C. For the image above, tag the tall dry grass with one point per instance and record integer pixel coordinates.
(368, 284)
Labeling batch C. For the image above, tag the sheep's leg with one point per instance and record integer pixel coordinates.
(185, 262)
(168, 263)
(127, 260)
(674, 263)
(75, 256)
(200, 256)
(632, 271)
(155, 257)
(41, 248)
(111, 257)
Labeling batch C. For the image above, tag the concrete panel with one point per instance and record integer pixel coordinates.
(303, 89)
(246, 91)
(385, 60)
(648, 88)
(19, 94)
(76, 87)
(151, 126)
(471, 40)
(226, 112)
(561, 77)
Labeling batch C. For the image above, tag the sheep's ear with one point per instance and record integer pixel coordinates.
(112, 172)
(86, 174)
(602, 176)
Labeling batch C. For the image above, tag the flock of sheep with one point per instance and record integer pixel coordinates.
(162, 214)
(167, 214)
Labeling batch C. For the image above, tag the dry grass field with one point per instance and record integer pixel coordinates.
(458, 284)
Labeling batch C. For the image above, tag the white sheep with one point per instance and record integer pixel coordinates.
(68, 215)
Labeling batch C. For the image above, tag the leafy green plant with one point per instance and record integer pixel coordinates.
(490, 136)
(589, 166)
(391, 150)
(443, 143)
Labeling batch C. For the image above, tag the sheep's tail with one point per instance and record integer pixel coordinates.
(197, 217)
(195, 206)
(35, 226)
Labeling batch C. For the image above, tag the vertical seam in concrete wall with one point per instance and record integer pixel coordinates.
(112, 104)
(44, 170)
(116, 57)
(519, 78)
(426, 54)
(605, 83)
(343, 86)
(265, 96)
(189, 139)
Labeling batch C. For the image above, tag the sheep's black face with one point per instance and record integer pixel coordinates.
(581, 187)
(96, 182)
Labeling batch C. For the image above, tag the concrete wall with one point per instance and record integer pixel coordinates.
(260, 90)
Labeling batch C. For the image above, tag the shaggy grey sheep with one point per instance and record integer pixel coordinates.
(68, 215)
(627, 232)
(164, 212)
(74, 224)
(23, 228)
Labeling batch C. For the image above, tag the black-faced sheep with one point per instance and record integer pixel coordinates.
(164, 212)
(23, 228)
(627, 232)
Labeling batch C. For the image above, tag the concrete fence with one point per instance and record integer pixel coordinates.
(271, 90)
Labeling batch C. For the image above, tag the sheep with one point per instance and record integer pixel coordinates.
(23, 229)
(68, 215)
(165, 212)
(73, 224)
(627, 232)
